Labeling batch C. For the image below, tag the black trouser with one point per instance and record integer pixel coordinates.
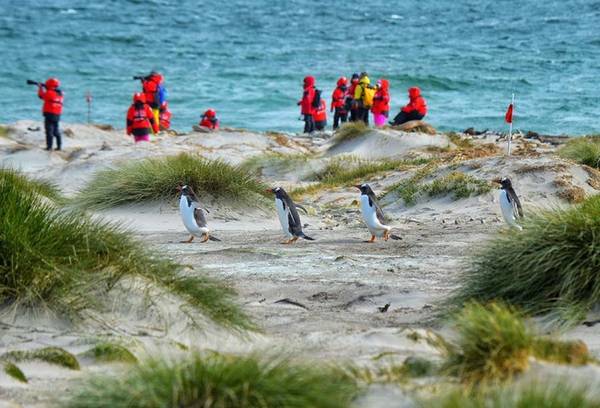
(340, 115)
(320, 125)
(309, 124)
(353, 115)
(403, 117)
(52, 130)
(363, 114)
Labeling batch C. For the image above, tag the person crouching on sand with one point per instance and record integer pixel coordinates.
(209, 120)
(381, 103)
(52, 109)
(140, 119)
(415, 109)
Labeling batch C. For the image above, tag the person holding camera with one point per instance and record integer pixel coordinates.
(52, 96)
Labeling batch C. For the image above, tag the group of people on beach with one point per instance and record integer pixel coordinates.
(149, 112)
(353, 100)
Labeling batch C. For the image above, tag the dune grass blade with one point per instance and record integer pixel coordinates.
(38, 186)
(493, 344)
(459, 184)
(219, 381)
(349, 131)
(51, 355)
(547, 395)
(110, 352)
(66, 262)
(550, 266)
(14, 371)
(157, 179)
(583, 150)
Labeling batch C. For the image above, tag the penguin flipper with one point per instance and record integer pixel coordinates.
(214, 238)
(302, 208)
(307, 237)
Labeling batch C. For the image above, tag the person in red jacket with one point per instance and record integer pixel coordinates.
(351, 106)
(320, 112)
(338, 102)
(52, 109)
(381, 103)
(416, 109)
(209, 120)
(306, 104)
(140, 119)
(165, 116)
(150, 86)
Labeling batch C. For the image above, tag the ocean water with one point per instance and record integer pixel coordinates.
(247, 58)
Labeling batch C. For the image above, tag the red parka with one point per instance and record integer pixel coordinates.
(52, 97)
(308, 96)
(150, 87)
(211, 123)
(417, 103)
(381, 100)
(140, 120)
(338, 98)
(165, 116)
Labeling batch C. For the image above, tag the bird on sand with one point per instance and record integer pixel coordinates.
(192, 215)
(288, 216)
(373, 214)
(510, 203)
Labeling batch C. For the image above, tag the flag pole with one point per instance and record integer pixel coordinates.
(510, 126)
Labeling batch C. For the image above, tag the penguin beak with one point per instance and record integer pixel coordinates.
(358, 186)
(179, 187)
(269, 190)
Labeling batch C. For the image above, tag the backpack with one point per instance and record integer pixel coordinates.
(367, 95)
(162, 94)
(316, 103)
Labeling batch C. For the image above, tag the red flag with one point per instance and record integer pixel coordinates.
(509, 113)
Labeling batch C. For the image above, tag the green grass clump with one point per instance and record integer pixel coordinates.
(219, 381)
(111, 352)
(459, 184)
(583, 150)
(44, 188)
(51, 355)
(12, 370)
(66, 262)
(157, 179)
(349, 131)
(562, 352)
(4, 131)
(493, 344)
(550, 266)
(547, 395)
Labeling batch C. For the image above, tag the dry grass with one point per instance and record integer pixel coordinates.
(349, 131)
(540, 167)
(594, 179)
(568, 191)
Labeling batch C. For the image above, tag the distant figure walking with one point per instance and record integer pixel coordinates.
(52, 109)
(415, 109)
(209, 120)
(381, 103)
(140, 119)
(338, 103)
(306, 104)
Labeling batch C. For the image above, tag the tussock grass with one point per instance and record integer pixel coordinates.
(583, 150)
(562, 352)
(50, 355)
(14, 371)
(393, 373)
(551, 394)
(550, 266)
(349, 131)
(219, 381)
(111, 352)
(459, 184)
(4, 131)
(66, 262)
(42, 187)
(157, 179)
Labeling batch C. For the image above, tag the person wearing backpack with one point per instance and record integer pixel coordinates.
(320, 111)
(209, 120)
(381, 103)
(140, 119)
(338, 102)
(363, 95)
(155, 92)
(306, 104)
(351, 105)
(415, 109)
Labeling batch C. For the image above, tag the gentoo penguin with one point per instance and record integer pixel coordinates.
(373, 214)
(192, 215)
(510, 204)
(288, 216)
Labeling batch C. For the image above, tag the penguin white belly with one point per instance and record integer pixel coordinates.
(508, 210)
(282, 213)
(370, 216)
(187, 216)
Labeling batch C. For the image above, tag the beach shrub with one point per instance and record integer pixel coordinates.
(41, 187)
(108, 352)
(349, 131)
(50, 355)
(459, 184)
(550, 266)
(583, 150)
(551, 394)
(219, 381)
(157, 178)
(66, 262)
(13, 371)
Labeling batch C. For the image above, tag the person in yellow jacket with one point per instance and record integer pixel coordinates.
(363, 97)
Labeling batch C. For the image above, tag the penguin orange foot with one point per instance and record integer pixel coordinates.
(205, 238)
(189, 241)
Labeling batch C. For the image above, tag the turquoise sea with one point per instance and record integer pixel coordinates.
(247, 58)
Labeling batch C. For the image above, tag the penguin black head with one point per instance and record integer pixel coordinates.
(278, 191)
(506, 183)
(184, 189)
(365, 189)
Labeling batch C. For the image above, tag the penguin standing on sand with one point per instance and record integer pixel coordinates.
(288, 216)
(193, 216)
(510, 204)
(373, 214)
